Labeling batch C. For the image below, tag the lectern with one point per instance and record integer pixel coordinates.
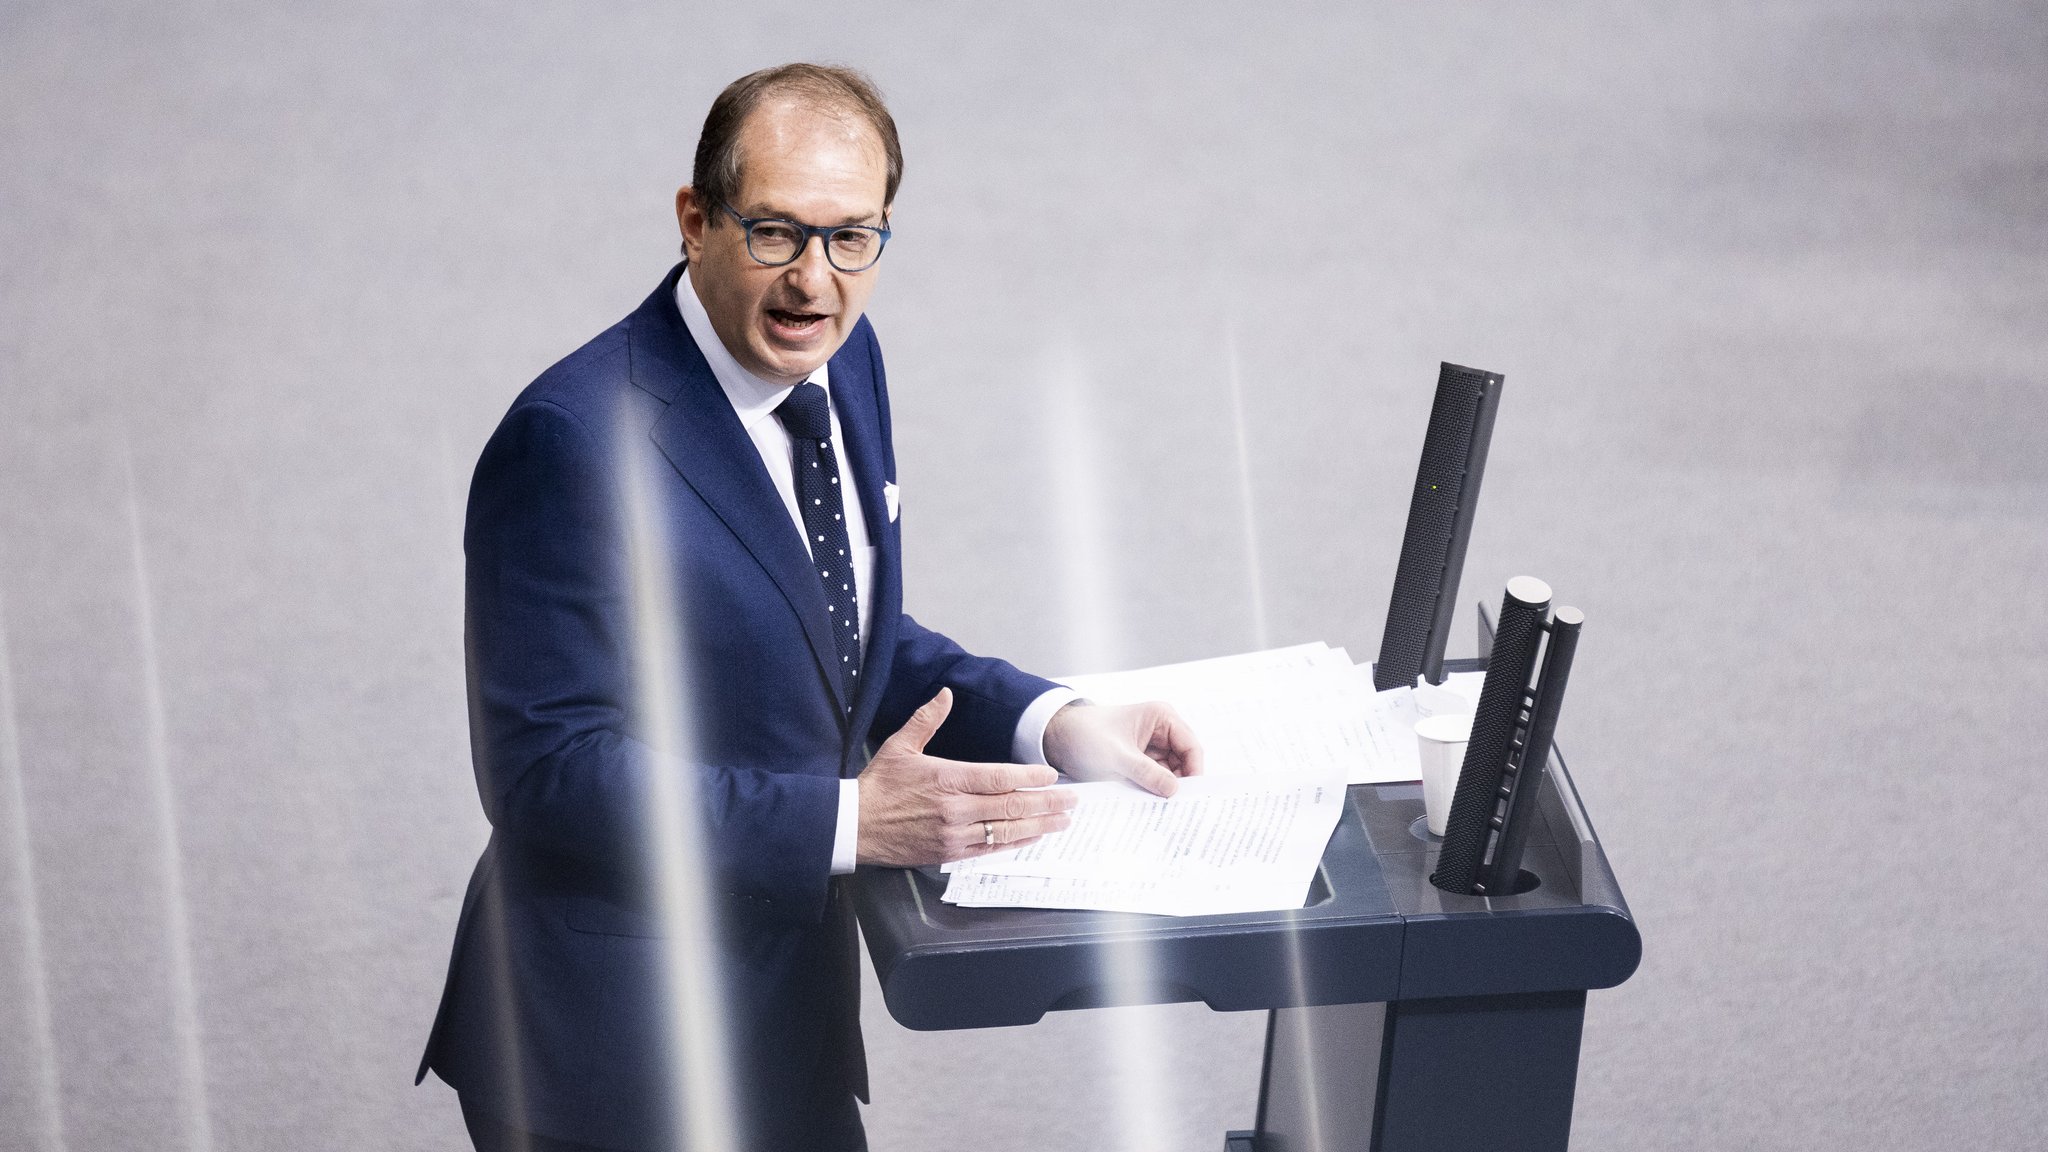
(1401, 1017)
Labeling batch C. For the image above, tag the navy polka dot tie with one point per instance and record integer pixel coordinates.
(807, 417)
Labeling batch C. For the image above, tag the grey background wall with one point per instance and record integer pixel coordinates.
(1765, 279)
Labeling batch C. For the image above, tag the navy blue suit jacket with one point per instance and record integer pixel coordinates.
(550, 1017)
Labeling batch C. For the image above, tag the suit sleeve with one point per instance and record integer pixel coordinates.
(989, 695)
(561, 763)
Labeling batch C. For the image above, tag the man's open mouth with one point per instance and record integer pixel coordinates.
(795, 323)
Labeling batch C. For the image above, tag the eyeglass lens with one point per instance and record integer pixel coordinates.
(850, 249)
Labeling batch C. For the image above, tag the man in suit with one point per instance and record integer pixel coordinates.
(723, 454)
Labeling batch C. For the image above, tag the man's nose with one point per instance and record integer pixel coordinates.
(811, 271)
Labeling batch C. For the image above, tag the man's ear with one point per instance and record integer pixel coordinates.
(690, 218)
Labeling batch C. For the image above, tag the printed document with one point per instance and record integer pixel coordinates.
(1305, 708)
(1282, 731)
(1219, 844)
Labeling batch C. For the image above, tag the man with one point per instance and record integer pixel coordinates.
(748, 391)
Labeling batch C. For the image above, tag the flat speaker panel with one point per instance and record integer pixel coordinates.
(1440, 514)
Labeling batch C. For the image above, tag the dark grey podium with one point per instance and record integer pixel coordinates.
(1401, 1017)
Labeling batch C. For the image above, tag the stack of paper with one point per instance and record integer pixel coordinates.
(1282, 731)
(1219, 844)
(1287, 710)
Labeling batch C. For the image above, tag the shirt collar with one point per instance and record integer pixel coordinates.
(753, 398)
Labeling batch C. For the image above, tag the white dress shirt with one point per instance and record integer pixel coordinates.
(754, 400)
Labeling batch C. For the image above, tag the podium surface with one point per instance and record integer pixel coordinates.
(1453, 1020)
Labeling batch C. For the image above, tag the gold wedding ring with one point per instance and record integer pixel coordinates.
(988, 834)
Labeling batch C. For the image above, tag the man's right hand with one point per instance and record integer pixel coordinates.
(917, 809)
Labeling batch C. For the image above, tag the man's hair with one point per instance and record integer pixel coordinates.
(827, 88)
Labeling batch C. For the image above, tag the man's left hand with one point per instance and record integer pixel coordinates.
(1147, 744)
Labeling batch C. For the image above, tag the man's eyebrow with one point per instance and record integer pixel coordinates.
(868, 219)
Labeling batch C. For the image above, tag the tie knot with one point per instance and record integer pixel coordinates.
(805, 413)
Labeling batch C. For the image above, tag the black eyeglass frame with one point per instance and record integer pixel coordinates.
(824, 234)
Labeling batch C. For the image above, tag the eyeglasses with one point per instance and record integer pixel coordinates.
(775, 242)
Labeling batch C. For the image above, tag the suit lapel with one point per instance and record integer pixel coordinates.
(704, 441)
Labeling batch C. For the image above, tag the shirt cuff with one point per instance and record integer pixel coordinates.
(846, 832)
(1028, 745)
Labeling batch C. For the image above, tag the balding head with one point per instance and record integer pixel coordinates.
(840, 93)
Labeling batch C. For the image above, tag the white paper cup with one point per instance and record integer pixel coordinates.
(1437, 700)
(1442, 740)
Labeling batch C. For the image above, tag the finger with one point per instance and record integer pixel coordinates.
(974, 836)
(1175, 740)
(993, 835)
(1184, 761)
(1009, 833)
(1023, 805)
(1017, 805)
(980, 849)
(1149, 774)
(917, 731)
(965, 836)
(992, 778)
(996, 832)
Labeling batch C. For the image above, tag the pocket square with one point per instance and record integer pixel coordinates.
(890, 499)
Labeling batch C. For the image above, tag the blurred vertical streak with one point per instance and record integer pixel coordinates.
(695, 1020)
(1077, 514)
(1261, 637)
(49, 1134)
(1303, 1036)
(511, 1064)
(193, 1106)
(1253, 573)
(1136, 1050)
